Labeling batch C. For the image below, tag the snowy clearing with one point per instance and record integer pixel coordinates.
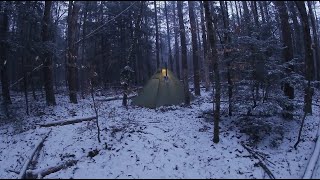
(168, 142)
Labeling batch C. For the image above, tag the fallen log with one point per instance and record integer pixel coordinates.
(260, 163)
(40, 173)
(313, 159)
(39, 145)
(116, 98)
(68, 121)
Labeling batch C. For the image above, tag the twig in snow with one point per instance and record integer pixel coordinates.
(95, 110)
(288, 166)
(299, 136)
(260, 163)
(10, 170)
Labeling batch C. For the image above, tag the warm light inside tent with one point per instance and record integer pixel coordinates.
(164, 72)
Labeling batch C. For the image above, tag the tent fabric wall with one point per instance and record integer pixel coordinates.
(159, 91)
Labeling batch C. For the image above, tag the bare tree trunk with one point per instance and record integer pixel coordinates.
(240, 12)
(25, 85)
(315, 46)
(157, 34)
(232, 14)
(183, 53)
(4, 23)
(168, 36)
(226, 43)
(200, 53)
(288, 49)
(29, 57)
(47, 58)
(317, 28)
(266, 10)
(308, 56)
(32, 86)
(238, 16)
(176, 46)
(196, 72)
(83, 65)
(212, 41)
(133, 44)
(23, 59)
(255, 13)
(246, 18)
(287, 41)
(72, 50)
(262, 12)
(205, 49)
(94, 107)
(298, 42)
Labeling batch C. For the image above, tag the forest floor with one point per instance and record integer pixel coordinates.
(167, 142)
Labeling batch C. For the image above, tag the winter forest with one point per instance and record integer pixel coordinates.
(160, 89)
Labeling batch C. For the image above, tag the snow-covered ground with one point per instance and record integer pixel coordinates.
(170, 142)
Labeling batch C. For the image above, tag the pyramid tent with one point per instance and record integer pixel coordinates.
(162, 89)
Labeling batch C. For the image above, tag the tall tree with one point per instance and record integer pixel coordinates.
(47, 57)
(262, 12)
(212, 41)
(298, 41)
(168, 37)
(24, 58)
(246, 18)
(226, 43)
(254, 10)
(315, 46)
(232, 15)
(287, 43)
(308, 56)
(287, 50)
(183, 53)
(237, 12)
(4, 24)
(176, 46)
(83, 68)
(157, 34)
(73, 11)
(196, 72)
(266, 11)
(205, 49)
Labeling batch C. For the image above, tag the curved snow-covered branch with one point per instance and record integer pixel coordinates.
(313, 159)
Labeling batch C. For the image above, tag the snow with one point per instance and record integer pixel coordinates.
(168, 142)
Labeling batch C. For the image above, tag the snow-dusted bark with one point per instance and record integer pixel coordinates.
(183, 53)
(308, 55)
(212, 41)
(47, 58)
(72, 50)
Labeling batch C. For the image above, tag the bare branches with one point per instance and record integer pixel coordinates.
(260, 163)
